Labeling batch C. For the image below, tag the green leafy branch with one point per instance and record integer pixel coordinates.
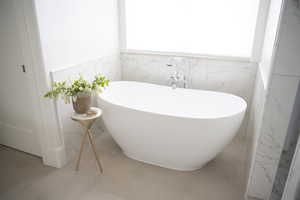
(81, 85)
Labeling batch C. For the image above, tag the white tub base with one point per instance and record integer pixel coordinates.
(180, 129)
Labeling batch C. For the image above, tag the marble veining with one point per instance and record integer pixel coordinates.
(254, 124)
(283, 171)
(278, 110)
(287, 63)
(281, 95)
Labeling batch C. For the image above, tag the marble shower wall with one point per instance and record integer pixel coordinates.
(108, 66)
(281, 98)
(225, 76)
(278, 110)
(255, 121)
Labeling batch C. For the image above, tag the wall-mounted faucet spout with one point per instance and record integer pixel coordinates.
(176, 78)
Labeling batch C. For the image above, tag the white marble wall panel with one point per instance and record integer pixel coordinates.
(257, 109)
(289, 43)
(144, 68)
(226, 76)
(108, 66)
(279, 105)
(255, 122)
(233, 77)
(270, 39)
(278, 110)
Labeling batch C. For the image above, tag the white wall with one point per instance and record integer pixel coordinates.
(76, 36)
(287, 182)
(269, 41)
(76, 31)
(260, 93)
(282, 77)
(262, 81)
(255, 121)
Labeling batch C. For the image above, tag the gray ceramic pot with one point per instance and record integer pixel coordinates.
(82, 102)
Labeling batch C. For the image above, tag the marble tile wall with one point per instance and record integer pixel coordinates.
(287, 62)
(255, 121)
(283, 171)
(108, 66)
(278, 112)
(226, 76)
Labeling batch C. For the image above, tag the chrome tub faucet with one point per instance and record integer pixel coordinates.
(176, 78)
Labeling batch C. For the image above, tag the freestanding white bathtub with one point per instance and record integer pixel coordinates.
(179, 128)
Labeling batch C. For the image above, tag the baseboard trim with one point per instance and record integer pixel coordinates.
(19, 138)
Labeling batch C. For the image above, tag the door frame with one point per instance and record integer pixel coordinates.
(48, 130)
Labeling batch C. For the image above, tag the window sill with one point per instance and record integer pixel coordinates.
(190, 55)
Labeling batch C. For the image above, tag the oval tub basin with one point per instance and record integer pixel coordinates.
(181, 129)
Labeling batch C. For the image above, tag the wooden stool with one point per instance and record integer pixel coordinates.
(87, 120)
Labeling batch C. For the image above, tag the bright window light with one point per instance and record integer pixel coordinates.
(209, 27)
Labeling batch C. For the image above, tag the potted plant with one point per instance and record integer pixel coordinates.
(79, 92)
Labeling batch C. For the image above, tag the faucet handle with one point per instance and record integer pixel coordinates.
(176, 76)
(170, 65)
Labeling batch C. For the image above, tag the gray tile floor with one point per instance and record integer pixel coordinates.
(23, 176)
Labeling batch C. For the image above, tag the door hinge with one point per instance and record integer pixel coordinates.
(24, 68)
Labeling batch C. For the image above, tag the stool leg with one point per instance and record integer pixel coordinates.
(81, 149)
(95, 152)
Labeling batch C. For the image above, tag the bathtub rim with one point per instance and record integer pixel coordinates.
(245, 105)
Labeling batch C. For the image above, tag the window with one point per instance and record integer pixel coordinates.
(209, 27)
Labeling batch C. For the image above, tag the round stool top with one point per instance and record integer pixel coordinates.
(87, 116)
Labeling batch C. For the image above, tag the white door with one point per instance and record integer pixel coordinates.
(18, 112)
